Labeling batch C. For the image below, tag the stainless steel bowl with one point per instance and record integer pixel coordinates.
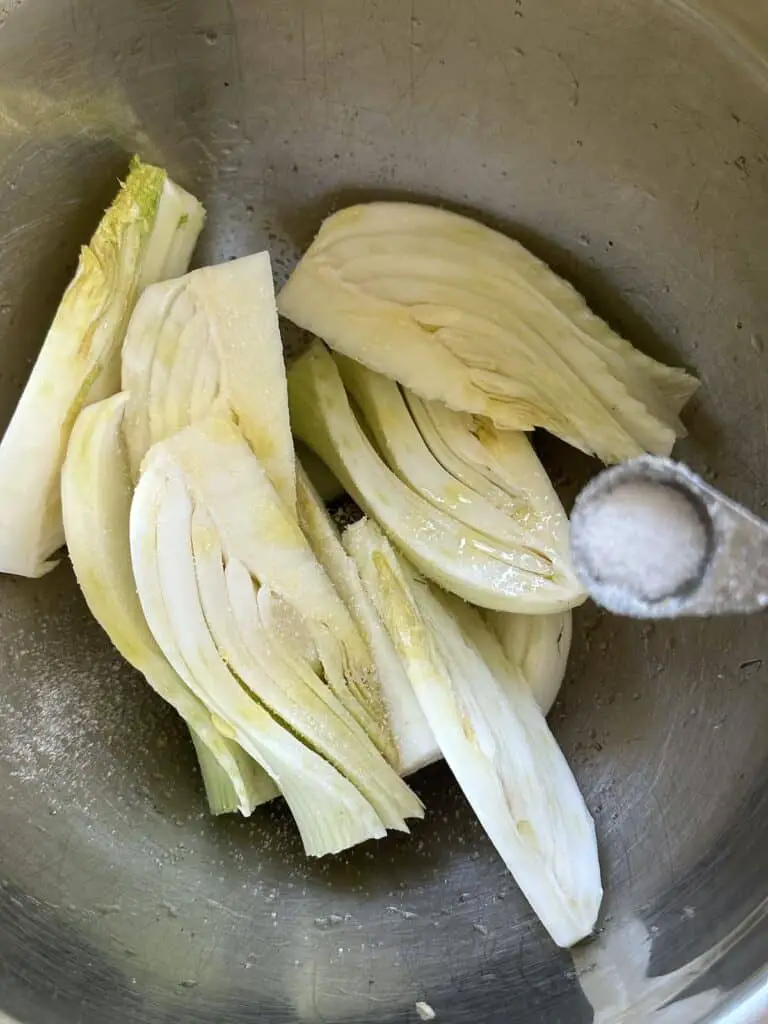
(626, 142)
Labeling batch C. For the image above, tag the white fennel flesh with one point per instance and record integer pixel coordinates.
(210, 341)
(488, 570)
(494, 737)
(460, 313)
(146, 235)
(96, 502)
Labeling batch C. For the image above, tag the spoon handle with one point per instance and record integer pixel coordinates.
(736, 580)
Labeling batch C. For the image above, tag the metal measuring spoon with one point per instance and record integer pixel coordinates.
(652, 540)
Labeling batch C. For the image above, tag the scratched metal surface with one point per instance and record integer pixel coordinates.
(626, 143)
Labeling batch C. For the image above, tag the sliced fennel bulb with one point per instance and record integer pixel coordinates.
(210, 340)
(471, 564)
(459, 313)
(259, 530)
(148, 233)
(96, 502)
(537, 539)
(331, 813)
(285, 683)
(415, 743)
(495, 739)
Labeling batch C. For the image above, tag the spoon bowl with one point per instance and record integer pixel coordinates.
(652, 540)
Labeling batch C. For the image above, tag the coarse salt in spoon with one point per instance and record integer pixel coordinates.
(652, 540)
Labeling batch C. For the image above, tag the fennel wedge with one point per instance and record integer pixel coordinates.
(473, 564)
(174, 551)
(494, 738)
(532, 524)
(257, 529)
(459, 313)
(285, 683)
(210, 340)
(96, 503)
(147, 234)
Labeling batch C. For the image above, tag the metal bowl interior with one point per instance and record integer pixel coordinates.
(625, 143)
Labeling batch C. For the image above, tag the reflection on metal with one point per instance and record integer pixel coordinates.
(614, 973)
